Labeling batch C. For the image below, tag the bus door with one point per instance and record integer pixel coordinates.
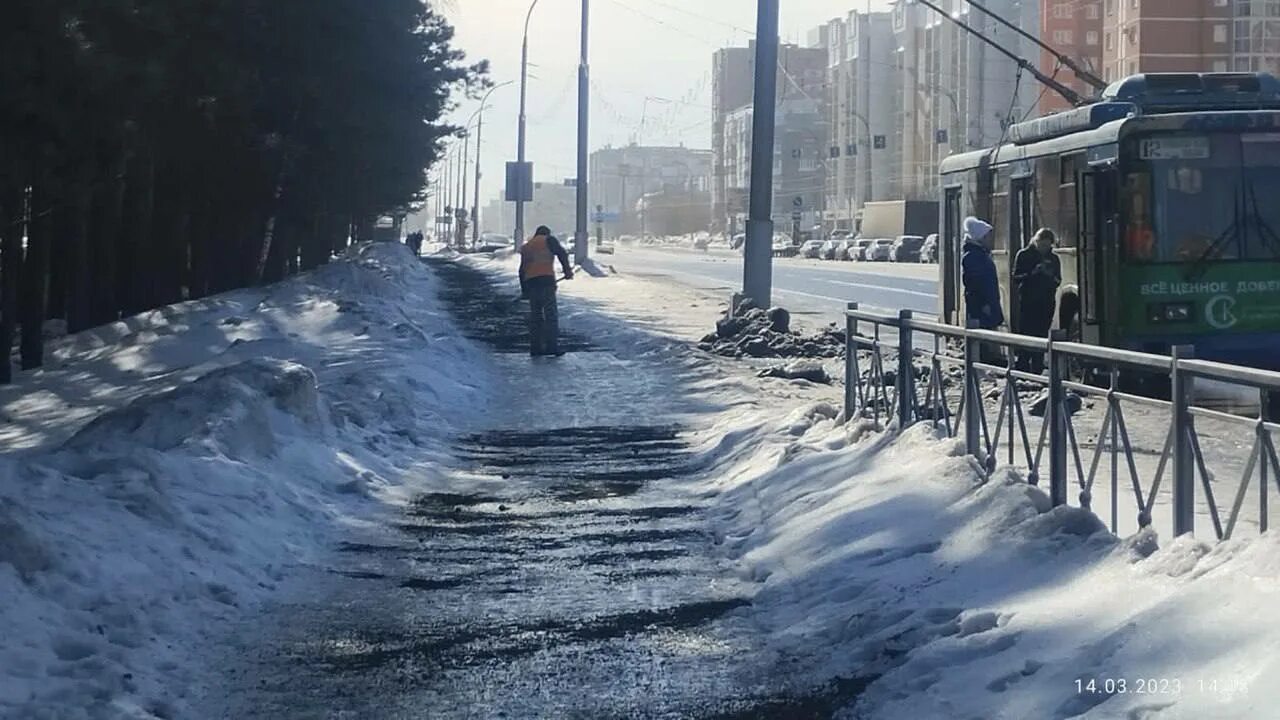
(1022, 222)
(1097, 203)
(949, 245)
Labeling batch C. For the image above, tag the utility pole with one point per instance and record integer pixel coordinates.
(524, 81)
(580, 233)
(757, 256)
(475, 195)
(462, 180)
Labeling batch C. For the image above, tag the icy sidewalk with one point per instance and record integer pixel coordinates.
(230, 439)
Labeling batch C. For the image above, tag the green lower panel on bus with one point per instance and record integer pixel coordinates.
(1225, 297)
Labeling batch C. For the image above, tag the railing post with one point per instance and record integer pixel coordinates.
(906, 378)
(850, 364)
(1056, 416)
(972, 397)
(1184, 468)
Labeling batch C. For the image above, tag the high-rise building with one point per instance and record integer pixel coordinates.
(955, 92)
(800, 142)
(1073, 28)
(860, 114)
(1178, 35)
(731, 88)
(801, 74)
(1255, 43)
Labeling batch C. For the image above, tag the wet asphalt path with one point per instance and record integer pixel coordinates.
(590, 589)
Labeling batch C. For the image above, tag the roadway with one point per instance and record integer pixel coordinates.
(817, 288)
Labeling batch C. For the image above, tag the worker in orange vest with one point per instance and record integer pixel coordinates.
(538, 284)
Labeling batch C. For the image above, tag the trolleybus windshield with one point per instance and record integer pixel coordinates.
(1202, 198)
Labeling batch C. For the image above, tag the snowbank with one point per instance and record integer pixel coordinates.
(892, 561)
(170, 472)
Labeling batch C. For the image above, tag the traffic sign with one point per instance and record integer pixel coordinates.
(797, 201)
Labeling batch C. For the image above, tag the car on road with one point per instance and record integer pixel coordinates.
(858, 251)
(828, 249)
(929, 250)
(845, 249)
(811, 249)
(490, 242)
(906, 248)
(878, 250)
(783, 247)
(605, 247)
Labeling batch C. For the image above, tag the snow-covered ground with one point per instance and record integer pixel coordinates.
(230, 439)
(165, 476)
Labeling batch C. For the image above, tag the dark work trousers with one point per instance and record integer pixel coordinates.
(1034, 321)
(544, 318)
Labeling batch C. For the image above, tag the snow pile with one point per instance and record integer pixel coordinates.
(758, 333)
(891, 561)
(170, 472)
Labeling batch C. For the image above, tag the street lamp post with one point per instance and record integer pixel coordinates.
(580, 228)
(524, 81)
(475, 201)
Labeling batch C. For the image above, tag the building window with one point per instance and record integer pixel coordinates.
(1063, 37)
(1091, 12)
(1219, 33)
(1133, 4)
(1062, 10)
(1133, 67)
(1110, 42)
(1111, 7)
(1091, 37)
(1219, 66)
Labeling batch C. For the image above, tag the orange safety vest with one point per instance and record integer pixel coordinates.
(536, 258)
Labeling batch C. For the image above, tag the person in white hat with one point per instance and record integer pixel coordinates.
(978, 275)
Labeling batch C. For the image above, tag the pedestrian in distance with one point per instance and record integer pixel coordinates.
(981, 285)
(1037, 273)
(538, 284)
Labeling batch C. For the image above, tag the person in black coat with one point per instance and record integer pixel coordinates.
(1037, 273)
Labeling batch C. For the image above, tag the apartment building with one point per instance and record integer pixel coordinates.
(1075, 29)
(802, 74)
(1176, 35)
(862, 80)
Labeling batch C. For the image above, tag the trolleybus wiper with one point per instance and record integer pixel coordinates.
(1232, 232)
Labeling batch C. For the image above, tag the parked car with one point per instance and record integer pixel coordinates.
(840, 235)
(811, 249)
(845, 249)
(737, 241)
(605, 247)
(783, 247)
(906, 248)
(929, 250)
(879, 250)
(859, 249)
(489, 242)
(827, 251)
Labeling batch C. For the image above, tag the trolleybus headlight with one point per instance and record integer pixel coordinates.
(1170, 312)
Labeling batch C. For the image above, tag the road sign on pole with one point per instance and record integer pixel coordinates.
(519, 182)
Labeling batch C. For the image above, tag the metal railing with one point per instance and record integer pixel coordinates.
(942, 374)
